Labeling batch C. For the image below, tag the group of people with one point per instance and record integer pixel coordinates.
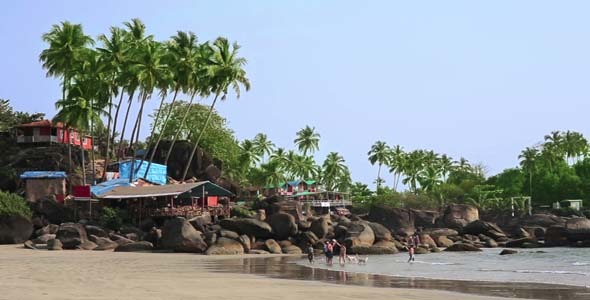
(330, 248)
(413, 242)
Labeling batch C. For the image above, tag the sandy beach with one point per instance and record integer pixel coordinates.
(41, 274)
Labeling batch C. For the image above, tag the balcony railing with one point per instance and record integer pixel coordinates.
(36, 139)
(327, 203)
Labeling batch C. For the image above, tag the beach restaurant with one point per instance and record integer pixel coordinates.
(163, 201)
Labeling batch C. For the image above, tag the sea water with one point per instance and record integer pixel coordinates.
(569, 266)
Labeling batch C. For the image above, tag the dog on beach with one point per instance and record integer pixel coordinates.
(362, 260)
(352, 259)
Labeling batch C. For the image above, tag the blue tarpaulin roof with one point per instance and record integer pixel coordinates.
(294, 182)
(106, 186)
(43, 174)
(157, 174)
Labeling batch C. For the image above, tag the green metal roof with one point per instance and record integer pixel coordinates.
(310, 181)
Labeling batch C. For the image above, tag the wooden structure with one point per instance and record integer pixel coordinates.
(39, 184)
(47, 132)
(160, 201)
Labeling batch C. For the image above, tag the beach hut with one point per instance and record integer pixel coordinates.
(575, 204)
(39, 184)
(157, 173)
(47, 132)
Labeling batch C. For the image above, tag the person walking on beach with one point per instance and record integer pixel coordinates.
(329, 253)
(411, 253)
(310, 253)
(341, 252)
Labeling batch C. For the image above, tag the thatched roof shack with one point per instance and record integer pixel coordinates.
(39, 184)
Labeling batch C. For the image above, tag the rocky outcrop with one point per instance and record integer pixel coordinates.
(291, 249)
(87, 245)
(578, 229)
(457, 216)
(54, 244)
(556, 236)
(443, 241)
(95, 230)
(103, 243)
(398, 220)
(320, 226)
(43, 238)
(226, 246)
(180, 236)
(199, 222)
(508, 252)
(15, 229)
(436, 232)
(30, 245)
(359, 234)
(48, 229)
(249, 227)
(273, 247)
(478, 227)
(71, 235)
(462, 247)
(425, 218)
(380, 231)
(425, 239)
(135, 247)
(283, 225)
(543, 220)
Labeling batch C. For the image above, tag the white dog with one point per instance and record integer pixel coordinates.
(362, 260)
(352, 259)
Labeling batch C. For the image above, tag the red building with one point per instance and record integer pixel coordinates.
(46, 132)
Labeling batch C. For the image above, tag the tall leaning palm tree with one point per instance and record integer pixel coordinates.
(380, 154)
(226, 70)
(396, 164)
(307, 140)
(66, 42)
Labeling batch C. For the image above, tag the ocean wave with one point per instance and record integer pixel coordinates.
(538, 272)
(581, 264)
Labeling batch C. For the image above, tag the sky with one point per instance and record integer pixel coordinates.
(474, 79)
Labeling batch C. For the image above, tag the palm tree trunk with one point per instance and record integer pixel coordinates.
(63, 96)
(83, 159)
(190, 160)
(136, 132)
(156, 120)
(188, 109)
(379, 178)
(111, 137)
(168, 113)
(118, 154)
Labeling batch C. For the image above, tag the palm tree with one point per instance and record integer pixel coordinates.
(249, 155)
(446, 166)
(307, 140)
(279, 155)
(414, 164)
(380, 154)
(463, 165)
(334, 169)
(113, 55)
(66, 43)
(396, 163)
(181, 62)
(429, 178)
(226, 71)
(263, 144)
(528, 162)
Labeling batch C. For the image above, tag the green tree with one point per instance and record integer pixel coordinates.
(263, 145)
(528, 162)
(334, 170)
(380, 154)
(307, 140)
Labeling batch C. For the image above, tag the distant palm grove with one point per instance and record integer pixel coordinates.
(555, 169)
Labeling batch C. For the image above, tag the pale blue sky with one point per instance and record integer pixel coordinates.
(479, 79)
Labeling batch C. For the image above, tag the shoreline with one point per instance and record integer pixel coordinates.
(39, 274)
(286, 268)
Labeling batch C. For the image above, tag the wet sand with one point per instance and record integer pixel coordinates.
(42, 274)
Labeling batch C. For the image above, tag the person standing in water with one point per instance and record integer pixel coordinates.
(411, 253)
(310, 254)
(341, 252)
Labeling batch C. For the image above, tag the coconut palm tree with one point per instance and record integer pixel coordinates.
(380, 154)
(307, 140)
(396, 164)
(528, 162)
(333, 170)
(249, 155)
(429, 178)
(263, 144)
(446, 166)
(412, 168)
(66, 43)
(226, 71)
(113, 55)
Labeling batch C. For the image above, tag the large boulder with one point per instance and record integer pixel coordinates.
(283, 225)
(54, 244)
(247, 226)
(226, 246)
(71, 235)
(321, 226)
(578, 229)
(434, 233)
(246, 242)
(48, 229)
(462, 247)
(478, 227)
(425, 218)
(381, 232)
(543, 220)
(426, 240)
(135, 247)
(398, 220)
(87, 245)
(508, 252)
(443, 241)
(386, 247)
(95, 230)
(199, 222)
(359, 234)
(43, 238)
(456, 216)
(180, 236)
(229, 234)
(556, 236)
(15, 229)
(291, 249)
(273, 247)
(518, 243)
(103, 244)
